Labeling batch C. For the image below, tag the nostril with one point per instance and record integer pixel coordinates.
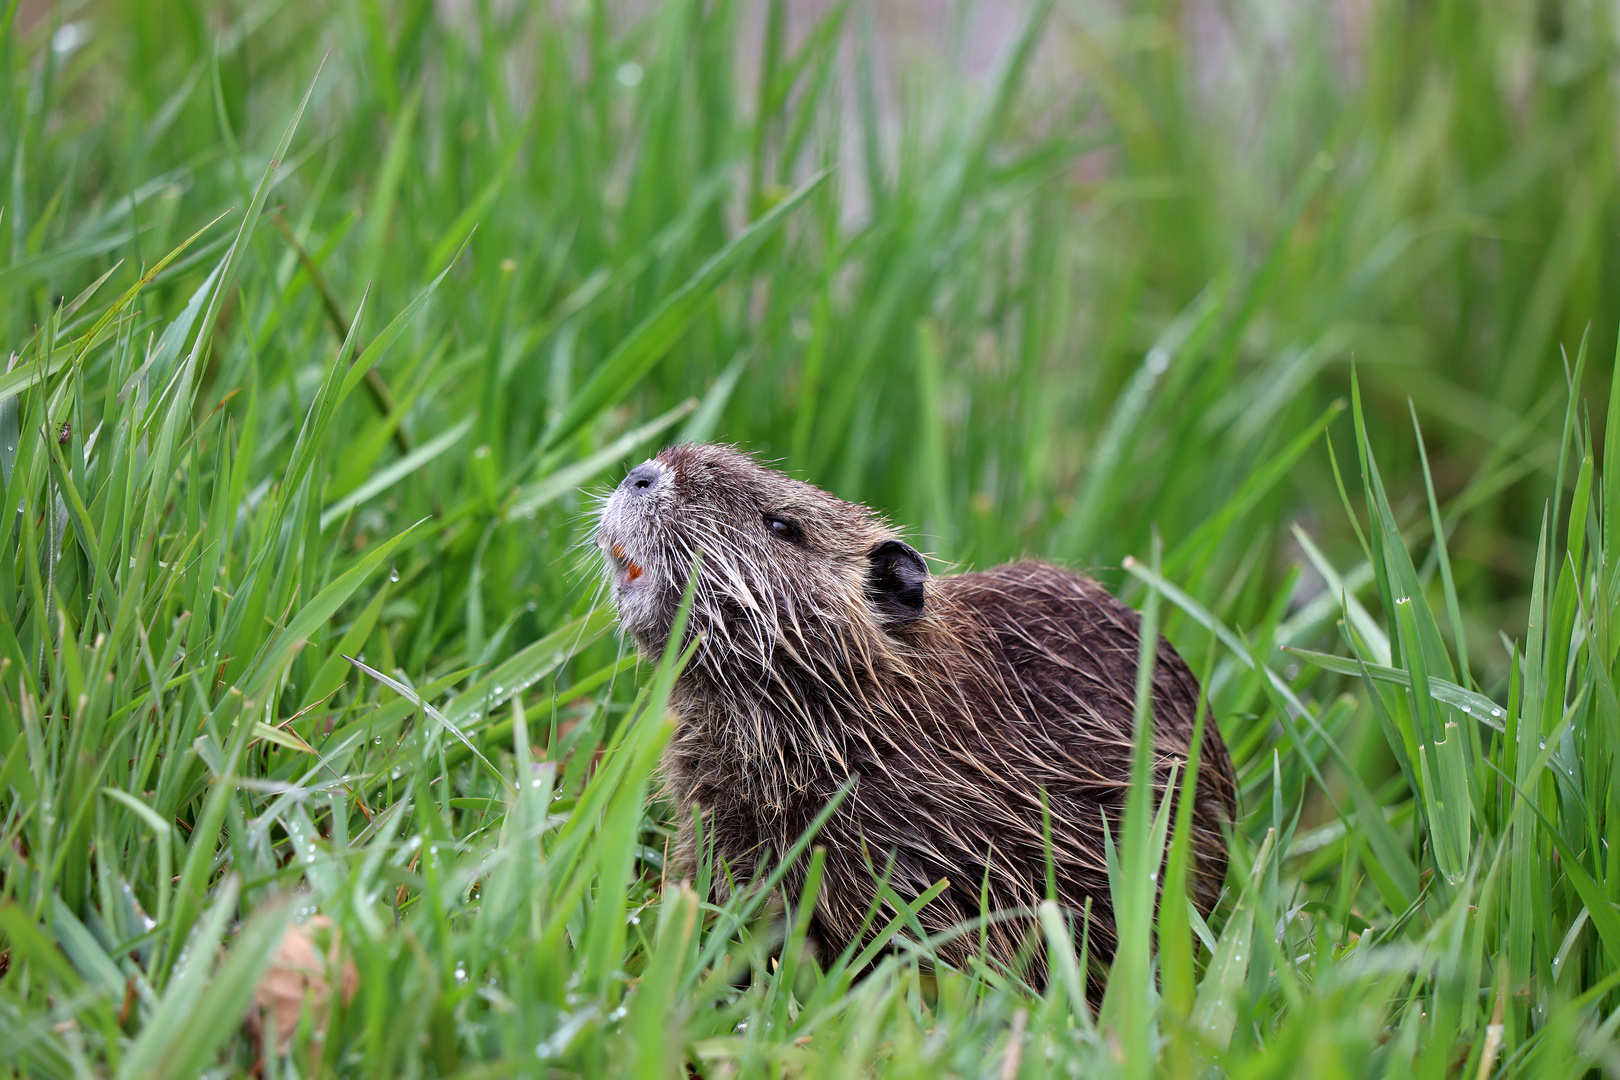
(643, 477)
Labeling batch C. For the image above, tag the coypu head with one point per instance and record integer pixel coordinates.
(783, 567)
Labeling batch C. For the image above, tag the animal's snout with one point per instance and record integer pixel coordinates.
(643, 478)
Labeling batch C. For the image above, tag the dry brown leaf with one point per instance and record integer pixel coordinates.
(298, 973)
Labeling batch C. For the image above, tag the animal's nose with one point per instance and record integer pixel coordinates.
(643, 478)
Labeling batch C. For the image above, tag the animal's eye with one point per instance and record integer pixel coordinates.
(781, 527)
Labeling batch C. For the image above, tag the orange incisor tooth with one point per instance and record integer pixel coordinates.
(632, 569)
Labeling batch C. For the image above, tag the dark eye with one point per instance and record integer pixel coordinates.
(781, 527)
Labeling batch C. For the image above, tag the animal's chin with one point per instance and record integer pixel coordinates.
(641, 603)
(645, 627)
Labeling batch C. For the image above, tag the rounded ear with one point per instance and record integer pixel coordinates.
(894, 580)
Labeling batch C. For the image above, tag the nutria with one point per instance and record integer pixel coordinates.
(827, 652)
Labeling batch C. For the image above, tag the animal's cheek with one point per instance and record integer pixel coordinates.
(832, 568)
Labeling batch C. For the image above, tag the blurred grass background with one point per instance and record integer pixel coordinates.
(1424, 188)
(1107, 277)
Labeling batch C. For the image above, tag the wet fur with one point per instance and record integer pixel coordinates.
(814, 667)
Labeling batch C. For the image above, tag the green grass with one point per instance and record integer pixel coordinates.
(312, 362)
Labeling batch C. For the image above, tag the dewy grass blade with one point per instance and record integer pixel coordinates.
(184, 991)
(199, 1031)
(175, 334)
(1215, 1014)
(321, 608)
(1605, 917)
(1571, 424)
(533, 496)
(384, 191)
(86, 952)
(655, 1041)
(1611, 480)
(528, 666)
(1478, 706)
(250, 221)
(1173, 926)
(1193, 321)
(380, 344)
(1400, 873)
(445, 722)
(1453, 609)
(395, 471)
(1129, 1000)
(1427, 726)
(1398, 576)
(1372, 635)
(1253, 489)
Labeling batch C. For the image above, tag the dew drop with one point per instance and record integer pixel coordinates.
(70, 36)
(393, 573)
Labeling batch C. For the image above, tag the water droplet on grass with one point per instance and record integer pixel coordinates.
(68, 36)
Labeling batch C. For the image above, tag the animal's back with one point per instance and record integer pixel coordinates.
(1043, 701)
(1025, 682)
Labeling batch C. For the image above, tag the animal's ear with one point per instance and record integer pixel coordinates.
(894, 580)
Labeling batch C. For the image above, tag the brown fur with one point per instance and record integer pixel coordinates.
(816, 665)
